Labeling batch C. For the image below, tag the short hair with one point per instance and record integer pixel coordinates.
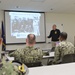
(63, 35)
(54, 25)
(31, 38)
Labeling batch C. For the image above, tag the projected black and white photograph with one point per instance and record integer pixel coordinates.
(19, 24)
(23, 24)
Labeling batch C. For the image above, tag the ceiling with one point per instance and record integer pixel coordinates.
(58, 6)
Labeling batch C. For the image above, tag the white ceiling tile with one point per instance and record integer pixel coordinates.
(65, 6)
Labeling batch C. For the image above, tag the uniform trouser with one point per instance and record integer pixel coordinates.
(54, 43)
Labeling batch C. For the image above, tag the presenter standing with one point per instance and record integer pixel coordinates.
(54, 35)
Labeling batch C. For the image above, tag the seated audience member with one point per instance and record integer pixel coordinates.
(63, 48)
(7, 68)
(29, 54)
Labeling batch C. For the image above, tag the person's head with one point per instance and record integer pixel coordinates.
(54, 27)
(63, 36)
(30, 41)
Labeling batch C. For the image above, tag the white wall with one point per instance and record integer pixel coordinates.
(68, 21)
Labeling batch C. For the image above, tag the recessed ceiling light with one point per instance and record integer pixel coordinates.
(51, 9)
(38, 0)
(17, 6)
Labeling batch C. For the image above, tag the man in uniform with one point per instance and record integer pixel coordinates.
(29, 54)
(6, 67)
(63, 48)
(54, 35)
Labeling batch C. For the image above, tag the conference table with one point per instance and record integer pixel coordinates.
(49, 57)
(51, 53)
(61, 69)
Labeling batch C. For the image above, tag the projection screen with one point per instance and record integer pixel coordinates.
(19, 24)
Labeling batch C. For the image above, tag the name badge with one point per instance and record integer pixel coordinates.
(55, 32)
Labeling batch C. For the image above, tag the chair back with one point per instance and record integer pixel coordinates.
(33, 64)
(68, 58)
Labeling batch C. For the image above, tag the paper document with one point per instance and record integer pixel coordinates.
(51, 54)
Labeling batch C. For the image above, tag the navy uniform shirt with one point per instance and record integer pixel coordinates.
(54, 34)
(62, 49)
(27, 55)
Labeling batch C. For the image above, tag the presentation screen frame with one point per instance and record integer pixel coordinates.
(25, 12)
